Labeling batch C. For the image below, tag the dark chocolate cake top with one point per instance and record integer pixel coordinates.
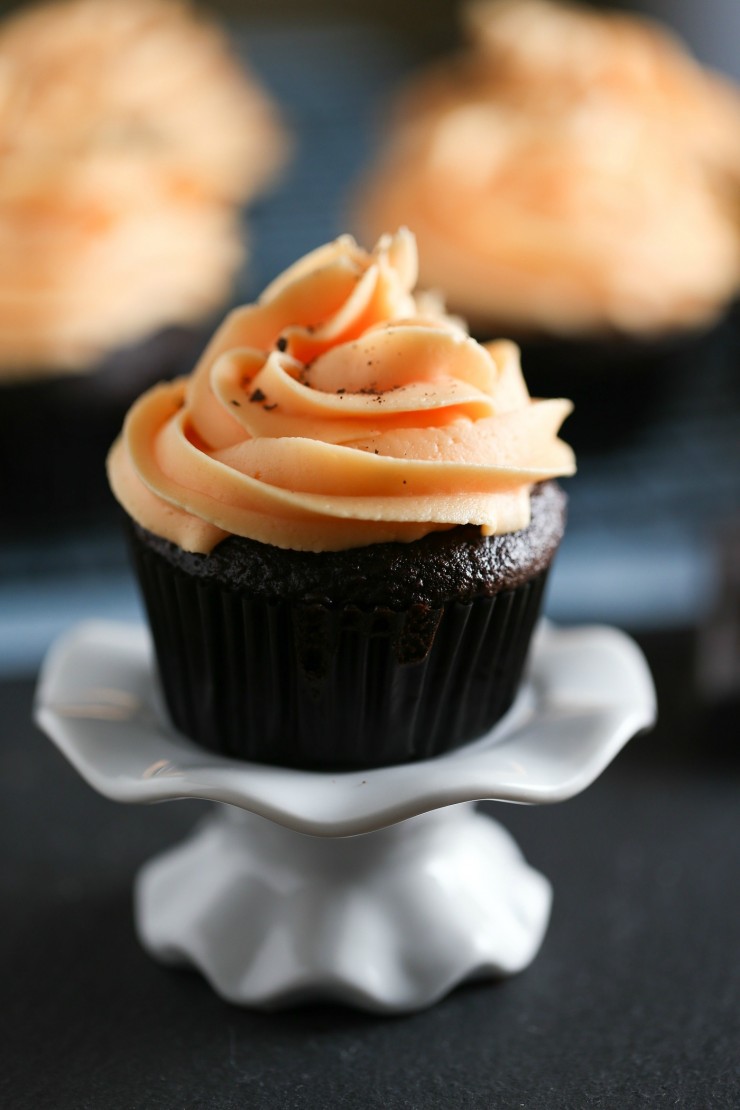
(456, 564)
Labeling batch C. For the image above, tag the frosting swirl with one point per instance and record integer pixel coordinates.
(128, 133)
(534, 170)
(334, 414)
(96, 255)
(539, 224)
(151, 78)
(529, 50)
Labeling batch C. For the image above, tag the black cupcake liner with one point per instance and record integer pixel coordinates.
(322, 687)
(55, 431)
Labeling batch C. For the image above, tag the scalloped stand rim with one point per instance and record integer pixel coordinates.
(384, 898)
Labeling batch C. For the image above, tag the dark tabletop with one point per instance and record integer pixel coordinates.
(631, 1002)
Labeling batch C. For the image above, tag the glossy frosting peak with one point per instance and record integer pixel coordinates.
(333, 413)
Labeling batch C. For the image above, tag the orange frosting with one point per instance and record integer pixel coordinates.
(333, 414)
(109, 253)
(534, 171)
(128, 134)
(530, 50)
(151, 78)
(546, 226)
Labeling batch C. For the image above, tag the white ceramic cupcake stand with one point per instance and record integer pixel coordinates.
(383, 889)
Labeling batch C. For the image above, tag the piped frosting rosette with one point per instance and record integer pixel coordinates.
(129, 136)
(339, 411)
(98, 253)
(537, 221)
(534, 168)
(153, 78)
(535, 51)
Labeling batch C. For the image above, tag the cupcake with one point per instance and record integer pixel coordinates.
(153, 79)
(536, 52)
(572, 181)
(129, 138)
(343, 521)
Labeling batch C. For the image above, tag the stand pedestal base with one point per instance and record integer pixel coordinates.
(388, 921)
(381, 888)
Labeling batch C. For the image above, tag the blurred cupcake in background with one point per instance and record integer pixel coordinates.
(555, 54)
(572, 180)
(130, 137)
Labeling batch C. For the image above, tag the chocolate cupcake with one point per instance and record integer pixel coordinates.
(371, 656)
(572, 180)
(342, 522)
(129, 138)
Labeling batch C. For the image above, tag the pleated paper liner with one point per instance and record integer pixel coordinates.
(322, 687)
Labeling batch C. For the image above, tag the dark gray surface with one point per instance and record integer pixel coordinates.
(632, 1001)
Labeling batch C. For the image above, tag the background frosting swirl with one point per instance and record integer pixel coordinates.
(335, 413)
(535, 165)
(129, 136)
